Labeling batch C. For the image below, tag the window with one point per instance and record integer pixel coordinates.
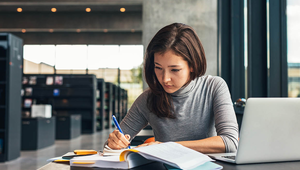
(246, 47)
(293, 39)
(101, 60)
(71, 57)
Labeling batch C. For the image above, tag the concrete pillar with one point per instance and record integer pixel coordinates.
(199, 14)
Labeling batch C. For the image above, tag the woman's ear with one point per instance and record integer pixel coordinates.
(191, 69)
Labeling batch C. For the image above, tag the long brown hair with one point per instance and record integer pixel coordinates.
(183, 41)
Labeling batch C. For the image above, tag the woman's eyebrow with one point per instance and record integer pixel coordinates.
(169, 65)
(174, 65)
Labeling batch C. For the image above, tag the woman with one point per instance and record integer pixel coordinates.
(181, 105)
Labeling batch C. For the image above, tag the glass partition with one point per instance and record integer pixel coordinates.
(293, 39)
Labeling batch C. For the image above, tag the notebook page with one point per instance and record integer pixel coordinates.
(173, 153)
(97, 157)
(107, 151)
(99, 161)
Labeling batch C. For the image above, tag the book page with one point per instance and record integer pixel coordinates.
(99, 161)
(97, 157)
(172, 153)
(107, 151)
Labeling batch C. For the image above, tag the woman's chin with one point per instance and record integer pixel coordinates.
(169, 90)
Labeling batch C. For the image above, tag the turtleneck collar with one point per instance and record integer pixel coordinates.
(185, 90)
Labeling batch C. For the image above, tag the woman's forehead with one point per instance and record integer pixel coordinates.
(169, 59)
(170, 54)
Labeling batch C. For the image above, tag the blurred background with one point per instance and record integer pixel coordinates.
(84, 59)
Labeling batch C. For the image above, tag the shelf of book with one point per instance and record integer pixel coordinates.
(66, 108)
(2, 157)
(108, 105)
(123, 103)
(11, 68)
(115, 103)
(67, 94)
(2, 120)
(3, 71)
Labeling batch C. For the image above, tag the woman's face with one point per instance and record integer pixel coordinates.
(171, 71)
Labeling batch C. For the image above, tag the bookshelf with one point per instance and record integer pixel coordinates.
(108, 105)
(100, 104)
(123, 103)
(115, 104)
(68, 94)
(111, 100)
(11, 68)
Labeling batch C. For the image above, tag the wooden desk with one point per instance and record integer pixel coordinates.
(160, 166)
(63, 166)
(261, 166)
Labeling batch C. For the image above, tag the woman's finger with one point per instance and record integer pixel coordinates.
(119, 139)
(127, 137)
(116, 141)
(113, 144)
(122, 139)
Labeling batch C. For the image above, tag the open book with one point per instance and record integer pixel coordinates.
(170, 153)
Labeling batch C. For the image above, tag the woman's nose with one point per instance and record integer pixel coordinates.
(166, 77)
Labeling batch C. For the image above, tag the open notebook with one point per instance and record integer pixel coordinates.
(170, 153)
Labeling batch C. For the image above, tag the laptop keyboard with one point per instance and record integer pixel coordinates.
(229, 157)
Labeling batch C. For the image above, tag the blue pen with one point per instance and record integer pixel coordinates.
(117, 124)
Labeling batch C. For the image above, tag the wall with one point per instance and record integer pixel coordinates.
(33, 68)
(200, 14)
(108, 74)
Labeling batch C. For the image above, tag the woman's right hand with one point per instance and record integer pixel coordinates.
(117, 140)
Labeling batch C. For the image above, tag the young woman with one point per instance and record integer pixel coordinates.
(181, 105)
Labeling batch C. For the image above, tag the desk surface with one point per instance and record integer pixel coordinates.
(160, 166)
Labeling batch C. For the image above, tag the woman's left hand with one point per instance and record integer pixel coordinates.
(147, 144)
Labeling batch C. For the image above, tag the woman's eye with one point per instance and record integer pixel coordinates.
(176, 70)
(158, 68)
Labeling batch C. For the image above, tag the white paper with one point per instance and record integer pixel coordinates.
(173, 153)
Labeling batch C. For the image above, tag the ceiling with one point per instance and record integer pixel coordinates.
(71, 5)
(105, 23)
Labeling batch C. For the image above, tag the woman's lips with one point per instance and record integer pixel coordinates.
(168, 86)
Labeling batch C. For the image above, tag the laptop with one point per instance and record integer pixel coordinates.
(270, 132)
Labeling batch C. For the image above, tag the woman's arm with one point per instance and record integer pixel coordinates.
(133, 123)
(224, 115)
(213, 144)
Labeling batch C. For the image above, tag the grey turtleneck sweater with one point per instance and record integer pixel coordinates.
(203, 109)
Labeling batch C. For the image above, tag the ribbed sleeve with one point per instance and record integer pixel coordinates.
(225, 119)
